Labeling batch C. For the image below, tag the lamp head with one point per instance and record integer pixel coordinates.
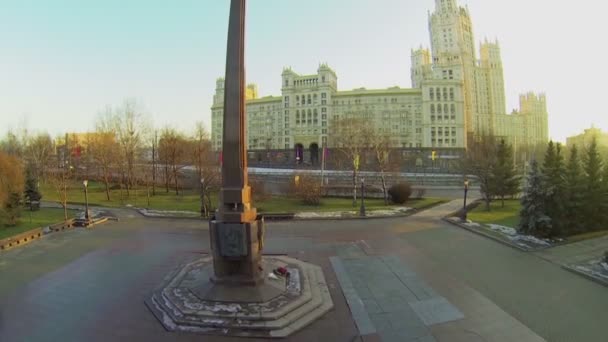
(85, 183)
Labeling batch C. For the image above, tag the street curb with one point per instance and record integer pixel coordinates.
(38, 233)
(506, 243)
(291, 216)
(585, 275)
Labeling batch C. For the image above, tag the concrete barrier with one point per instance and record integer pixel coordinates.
(30, 235)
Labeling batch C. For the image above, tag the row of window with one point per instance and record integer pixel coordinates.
(443, 142)
(439, 131)
(433, 91)
(444, 118)
(439, 109)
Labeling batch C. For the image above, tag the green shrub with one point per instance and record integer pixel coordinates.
(400, 193)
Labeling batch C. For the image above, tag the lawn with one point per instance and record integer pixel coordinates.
(189, 201)
(40, 218)
(507, 216)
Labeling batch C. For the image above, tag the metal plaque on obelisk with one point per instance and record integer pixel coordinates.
(236, 233)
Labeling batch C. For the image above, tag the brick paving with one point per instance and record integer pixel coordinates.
(443, 284)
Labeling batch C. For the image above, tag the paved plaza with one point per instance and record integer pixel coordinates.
(402, 279)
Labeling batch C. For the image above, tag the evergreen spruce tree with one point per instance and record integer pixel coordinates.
(592, 189)
(533, 218)
(554, 182)
(573, 204)
(505, 178)
(31, 193)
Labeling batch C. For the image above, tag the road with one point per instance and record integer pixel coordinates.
(90, 284)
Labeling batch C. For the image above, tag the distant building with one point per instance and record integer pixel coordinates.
(584, 140)
(454, 97)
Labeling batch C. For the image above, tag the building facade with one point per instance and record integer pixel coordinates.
(454, 97)
(583, 140)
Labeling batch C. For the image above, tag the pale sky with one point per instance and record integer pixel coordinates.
(63, 61)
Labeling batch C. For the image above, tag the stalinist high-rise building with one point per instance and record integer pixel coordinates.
(456, 96)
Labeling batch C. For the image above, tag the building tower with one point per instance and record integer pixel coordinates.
(422, 68)
(490, 89)
(453, 49)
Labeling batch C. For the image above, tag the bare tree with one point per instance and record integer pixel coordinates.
(60, 180)
(132, 128)
(173, 148)
(479, 161)
(380, 144)
(103, 147)
(38, 151)
(351, 138)
(201, 155)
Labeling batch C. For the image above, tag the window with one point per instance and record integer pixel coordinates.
(324, 131)
(323, 110)
(432, 93)
(445, 94)
(432, 118)
(451, 94)
(323, 95)
(439, 109)
(297, 97)
(453, 109)
(286, 98)
(445, 108)
(323, 123)
(432, 109)
(309, 100)
(323, 79)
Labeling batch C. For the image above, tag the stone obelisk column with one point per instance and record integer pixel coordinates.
(236, 233)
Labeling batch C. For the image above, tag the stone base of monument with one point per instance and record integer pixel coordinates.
(190, 302)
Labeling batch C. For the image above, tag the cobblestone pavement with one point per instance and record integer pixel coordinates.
(90, 284)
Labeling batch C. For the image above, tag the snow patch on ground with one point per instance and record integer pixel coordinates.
(605, 265)
(503, 229)
(313, 214)
(162, 213)
(595, 269)
(338, 214)
(526, 241)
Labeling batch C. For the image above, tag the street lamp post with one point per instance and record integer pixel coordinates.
(464, 207)
(86, 201)
(203, 208)
(362, 209)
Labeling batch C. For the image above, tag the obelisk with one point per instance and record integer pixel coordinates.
(236, 233)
